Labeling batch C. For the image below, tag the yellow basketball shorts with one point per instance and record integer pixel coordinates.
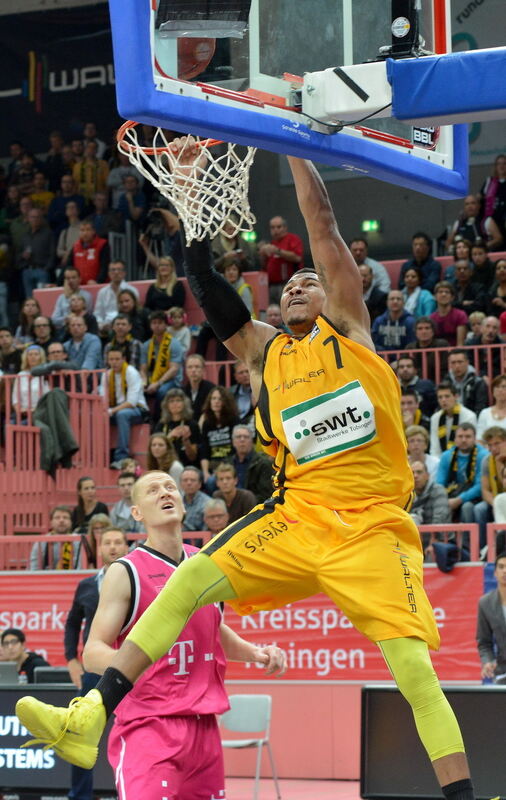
(368, 562)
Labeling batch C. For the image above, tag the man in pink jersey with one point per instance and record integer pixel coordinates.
(165, 741)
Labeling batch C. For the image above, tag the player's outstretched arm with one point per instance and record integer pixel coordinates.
(238, 649)
(332, 259)
(108, 621)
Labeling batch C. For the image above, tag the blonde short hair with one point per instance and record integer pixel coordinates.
(417, 430)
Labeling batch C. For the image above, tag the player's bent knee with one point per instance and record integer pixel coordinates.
(409, 662)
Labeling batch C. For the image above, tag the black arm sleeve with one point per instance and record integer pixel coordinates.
(222, 305)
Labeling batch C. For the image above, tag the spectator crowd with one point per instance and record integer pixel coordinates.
(56, 216)
(441, 328)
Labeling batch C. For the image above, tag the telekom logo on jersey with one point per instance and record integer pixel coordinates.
(182, 654)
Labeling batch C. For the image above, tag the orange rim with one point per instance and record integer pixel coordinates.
(151, 151)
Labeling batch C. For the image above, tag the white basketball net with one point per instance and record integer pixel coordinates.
(206, 195)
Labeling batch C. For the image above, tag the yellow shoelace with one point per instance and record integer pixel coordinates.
(62, 733)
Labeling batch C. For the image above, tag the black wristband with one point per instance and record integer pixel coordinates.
(222, 305)
(113, 686)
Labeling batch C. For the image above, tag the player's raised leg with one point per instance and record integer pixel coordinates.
(74, 732)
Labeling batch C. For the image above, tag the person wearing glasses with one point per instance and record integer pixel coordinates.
(43, 332)
(13, 645)
(57, 361)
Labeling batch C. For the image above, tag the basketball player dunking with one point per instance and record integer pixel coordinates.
(329, 412)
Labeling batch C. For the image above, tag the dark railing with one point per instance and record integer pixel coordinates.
(432, 362)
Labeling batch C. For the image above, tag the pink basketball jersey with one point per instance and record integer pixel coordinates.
(189, 679)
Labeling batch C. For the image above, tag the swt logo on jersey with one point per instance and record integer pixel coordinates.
(330, 423)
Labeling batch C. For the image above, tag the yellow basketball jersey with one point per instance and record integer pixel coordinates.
(329, 413)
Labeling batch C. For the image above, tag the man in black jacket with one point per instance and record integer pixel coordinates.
(472, 390)
(113, 545)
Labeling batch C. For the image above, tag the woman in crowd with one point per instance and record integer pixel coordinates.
(162, 455)
(219, 415)
(167, 290)
(87, 505)
(29, 311)
(417, 301)
(418, 443)
(233, 274)
(497, 293)
(139, 318)
(494, 415)
(177, 423)
(461, 250)
(96, 526)
(27, 389)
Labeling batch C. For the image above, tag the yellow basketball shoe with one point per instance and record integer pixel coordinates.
(73, 732)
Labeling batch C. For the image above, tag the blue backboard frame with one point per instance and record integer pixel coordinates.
(138, 99)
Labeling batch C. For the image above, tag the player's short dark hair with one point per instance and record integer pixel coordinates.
(302, 270)
(498, 556)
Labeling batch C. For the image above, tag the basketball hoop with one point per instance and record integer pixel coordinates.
(206, 198)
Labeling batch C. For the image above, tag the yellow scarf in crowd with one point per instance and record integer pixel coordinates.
(496, 486)
(112, 385)
(446, 442)
(65, 561)
(159, 367)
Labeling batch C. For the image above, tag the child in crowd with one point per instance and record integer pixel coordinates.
(131, 465)
(176, 317)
